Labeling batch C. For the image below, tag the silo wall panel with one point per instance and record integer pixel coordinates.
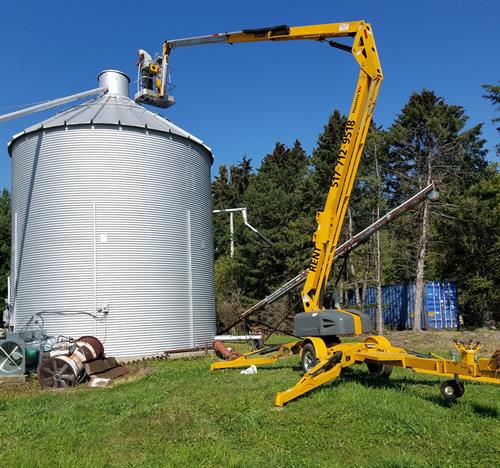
(52, 240)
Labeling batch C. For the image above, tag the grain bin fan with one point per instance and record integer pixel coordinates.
(66, 366)
(19, 352)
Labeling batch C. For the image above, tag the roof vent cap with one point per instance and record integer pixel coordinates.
(116, 82)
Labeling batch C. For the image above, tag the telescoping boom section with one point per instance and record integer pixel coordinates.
(322, 354)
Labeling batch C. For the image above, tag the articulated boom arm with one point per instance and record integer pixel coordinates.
(364, 50)
(330, 220)
(324, 359)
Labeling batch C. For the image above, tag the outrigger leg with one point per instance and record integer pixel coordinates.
(377, 352)
(263, 356)
(318, 375)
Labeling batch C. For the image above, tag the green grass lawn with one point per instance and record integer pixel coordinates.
(180, 414)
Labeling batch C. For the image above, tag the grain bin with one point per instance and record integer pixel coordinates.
(112, 227)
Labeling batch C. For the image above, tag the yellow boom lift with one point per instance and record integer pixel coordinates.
(323, 356)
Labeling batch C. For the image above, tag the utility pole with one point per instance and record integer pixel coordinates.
(231, 230)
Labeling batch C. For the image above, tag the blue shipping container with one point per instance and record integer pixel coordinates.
(439, 308)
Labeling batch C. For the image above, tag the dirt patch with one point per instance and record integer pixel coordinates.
(442, 341)
(136, 371)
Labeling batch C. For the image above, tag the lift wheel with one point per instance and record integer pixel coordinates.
(452, 390)
(309, 359)
(377, 370)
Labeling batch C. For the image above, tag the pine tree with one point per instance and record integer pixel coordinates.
(470, 249)
(324, 157)
(493, 94)
(428, 141)
(5, 241)
(228, 192)
(274, 199)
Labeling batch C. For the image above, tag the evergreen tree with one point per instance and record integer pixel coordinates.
(493, 94)
(5, 241)
(228, 192)
(470, 249)
(325, 156)
(274, 198)
(428, 141)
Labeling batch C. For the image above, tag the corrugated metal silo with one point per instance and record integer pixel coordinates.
(112, 227)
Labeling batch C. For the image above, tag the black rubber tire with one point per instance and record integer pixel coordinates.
(452, 390)
(257, 344)
(378, 370)
(308, 359)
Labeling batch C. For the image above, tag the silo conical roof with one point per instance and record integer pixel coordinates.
(110, 109)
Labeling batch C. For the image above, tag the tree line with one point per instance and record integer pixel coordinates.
(454, 238)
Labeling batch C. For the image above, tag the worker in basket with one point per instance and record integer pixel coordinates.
(146, 75)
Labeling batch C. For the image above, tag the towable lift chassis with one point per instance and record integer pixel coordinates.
(324, 357)
(323, 362)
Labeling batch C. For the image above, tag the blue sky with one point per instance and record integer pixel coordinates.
(242, 99)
